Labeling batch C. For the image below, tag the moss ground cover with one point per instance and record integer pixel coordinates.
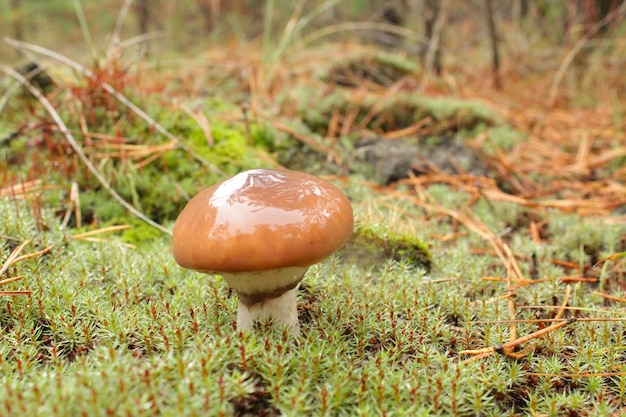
(486, 285)
(124, 330)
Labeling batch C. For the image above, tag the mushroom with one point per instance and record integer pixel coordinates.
(261, 230)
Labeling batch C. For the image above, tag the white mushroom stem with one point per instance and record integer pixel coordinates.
(270, 293)
(283, 309)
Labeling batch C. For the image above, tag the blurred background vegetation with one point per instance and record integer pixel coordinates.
(442, 34)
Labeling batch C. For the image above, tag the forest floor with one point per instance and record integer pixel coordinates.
(486, 274)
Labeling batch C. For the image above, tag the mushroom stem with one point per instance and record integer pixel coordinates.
(283, 309)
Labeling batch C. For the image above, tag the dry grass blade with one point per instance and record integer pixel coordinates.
(13, 258)
(202, 121)
(508, 348)
(527, 282)
(502, 249)
(582, 375)
(518, 283)
(601, 200)
(25, 189)
(578, 319)
(414, 129)
(90, 236)
(133, 151)
(611, 258)
(579, 174)
(101, 230)
(73, 206)
(32, 255)
(568, 292)
(474, 224)
(102, 240)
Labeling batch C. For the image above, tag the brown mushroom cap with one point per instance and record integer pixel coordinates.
(261, 220)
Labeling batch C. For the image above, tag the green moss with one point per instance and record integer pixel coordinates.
(129, 331)
(139, 232)
(373, 246)
(502, 138)
(266, 137)
(228, 148)
(381, 68)
(396, 111)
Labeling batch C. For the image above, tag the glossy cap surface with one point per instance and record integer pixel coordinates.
(261, 220)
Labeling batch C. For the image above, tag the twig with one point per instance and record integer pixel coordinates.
(578, 319)
(32, 255)
(610, 297)
(433, 59)
(568, 292)
(10, 280)
(584, 375)
(15, 293)
(514, 343)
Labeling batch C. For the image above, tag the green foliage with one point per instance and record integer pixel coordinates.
(266, 137)
(502, 137)
(371, 246)
(228, 147)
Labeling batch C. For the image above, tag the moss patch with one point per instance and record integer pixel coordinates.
(380, 68)
(393, 112)
(370, 246)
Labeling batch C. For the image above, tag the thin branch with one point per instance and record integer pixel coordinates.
(15, 293)
(525, 321)
(32, 255)
(514, 343)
